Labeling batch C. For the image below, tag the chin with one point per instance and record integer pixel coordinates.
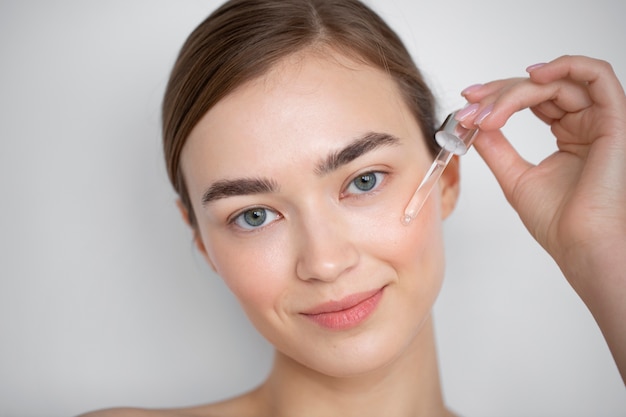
(374, 348)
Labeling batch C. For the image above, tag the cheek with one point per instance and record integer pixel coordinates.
(416, 250)
(257, 274)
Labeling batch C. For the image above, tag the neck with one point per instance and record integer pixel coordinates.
(409, 386)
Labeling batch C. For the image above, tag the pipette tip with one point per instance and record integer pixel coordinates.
(406, 219)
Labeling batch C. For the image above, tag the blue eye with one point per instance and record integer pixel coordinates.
(255, 217)
(365, 182)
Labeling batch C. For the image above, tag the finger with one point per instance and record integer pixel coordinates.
(602, 83)
(541, 116)
(478, 92)
(502, 159)
(548, 110)
(566, 95)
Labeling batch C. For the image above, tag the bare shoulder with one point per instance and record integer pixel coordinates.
(132, 412)
(210, 410)
(246, 405)
(123, 412)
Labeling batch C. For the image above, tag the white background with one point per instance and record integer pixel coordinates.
(103, 300)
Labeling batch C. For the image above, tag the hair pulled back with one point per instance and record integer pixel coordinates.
(243, 39)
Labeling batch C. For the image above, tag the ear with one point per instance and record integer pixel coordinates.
(449, 184)
(197, 239)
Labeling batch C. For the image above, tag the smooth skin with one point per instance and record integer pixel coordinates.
(326, 239)
(573, 203)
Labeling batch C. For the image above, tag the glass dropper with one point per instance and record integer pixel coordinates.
(454, 139)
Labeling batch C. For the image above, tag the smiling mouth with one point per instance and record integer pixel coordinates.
(346, 313)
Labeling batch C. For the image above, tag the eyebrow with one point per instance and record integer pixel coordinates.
(239, 186)
(357, 148)
(257, 185)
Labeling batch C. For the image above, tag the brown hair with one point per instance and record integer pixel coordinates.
(242, 39)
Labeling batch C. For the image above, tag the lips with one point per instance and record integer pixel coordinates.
(346, 313)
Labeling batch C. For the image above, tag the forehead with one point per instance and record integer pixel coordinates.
(306, 105)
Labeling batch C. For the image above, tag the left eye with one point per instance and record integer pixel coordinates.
(365, 182)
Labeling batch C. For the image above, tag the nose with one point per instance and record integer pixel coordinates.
(326, 249)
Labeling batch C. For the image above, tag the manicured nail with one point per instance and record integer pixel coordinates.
(467, 111)
(535, 66)
(471, 89)
(483, 114)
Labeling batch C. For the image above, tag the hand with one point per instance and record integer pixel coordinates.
(574, 201)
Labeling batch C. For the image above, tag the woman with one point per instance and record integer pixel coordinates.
(295, 133)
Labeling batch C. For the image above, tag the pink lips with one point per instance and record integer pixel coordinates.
(347, 312)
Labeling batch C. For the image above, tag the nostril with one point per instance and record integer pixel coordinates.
(326, 261)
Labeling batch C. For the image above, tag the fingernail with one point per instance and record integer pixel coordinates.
(471, 89)
(483, 114)
(467, 111)
(535, 66)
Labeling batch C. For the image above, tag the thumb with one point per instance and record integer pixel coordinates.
(502, 159)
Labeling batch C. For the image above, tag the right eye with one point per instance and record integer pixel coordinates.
(254, 218)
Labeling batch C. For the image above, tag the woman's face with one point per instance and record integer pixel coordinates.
(299, 180)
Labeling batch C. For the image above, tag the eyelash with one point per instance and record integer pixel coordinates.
(239, 221)
(379, 177)
(238, 217)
